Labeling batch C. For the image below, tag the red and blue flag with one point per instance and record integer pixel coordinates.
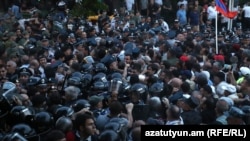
(221, 7)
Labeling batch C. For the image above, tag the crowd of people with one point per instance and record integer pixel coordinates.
(65, 78)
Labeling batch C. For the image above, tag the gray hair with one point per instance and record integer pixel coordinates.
(72, 92)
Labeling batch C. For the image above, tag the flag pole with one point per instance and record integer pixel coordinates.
(229, 22)
(232, 9)
(216, 33)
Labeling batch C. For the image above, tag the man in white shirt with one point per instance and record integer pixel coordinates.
(164, 25)
(211, 12)
(130, 4)
(246, 10)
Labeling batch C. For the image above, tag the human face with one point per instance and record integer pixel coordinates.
(114, 65)
(150, 71)
(245, 87)
(162, 76)
(24, 78)
(3, 72)
(68, 52)
(26, 101)
(90, 128)
(10, 67)
(43, 61)
(127, 59)
(213, 3)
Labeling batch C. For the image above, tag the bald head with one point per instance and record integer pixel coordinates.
(207, 65)
(11, 66)
(12, 63)
(34, 63)
(136, 134)
(25, 59)
(138, 123)
(175, 82)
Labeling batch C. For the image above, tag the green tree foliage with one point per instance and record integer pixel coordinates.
(87, 8)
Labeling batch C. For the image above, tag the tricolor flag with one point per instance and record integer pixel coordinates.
(221, 7)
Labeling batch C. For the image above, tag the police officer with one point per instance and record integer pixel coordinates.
(24, 74)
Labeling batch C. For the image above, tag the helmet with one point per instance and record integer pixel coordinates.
(80, 104)
(155, 89)
(116, 75)
(100, 67)
(88, 59)
(64, 124)
(32, 81)
(6, 96)
(20, 114)
(100, 76)
(63, 111)
(43, 121)
(117, 125)
(115, 85)
(8, 86)
(140, 90)
(24, 130)
(236, 112)
(155, 105)
(109, 42)
(99, 85)
(86, 80)
(87, 68)
(13, 137)
(76, 74)
(109, 135)
(125, 86)
(74, 81)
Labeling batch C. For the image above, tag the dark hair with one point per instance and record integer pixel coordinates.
(201, 81)
(152, 79)
(134, 79)
(76, 66)
(137, 67)
(115, 107)
(189, 64)
(58, 54)
(154, 67)
(247, 78)
(37, 100)
(166, 64)
(210, 103)
(175, 111)
(55, 135)
(185, 87)
(81, 119)
(151, 53)
(50, 71)
(109, 135)
(208, 89)
(55, 98)
(2, 66)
